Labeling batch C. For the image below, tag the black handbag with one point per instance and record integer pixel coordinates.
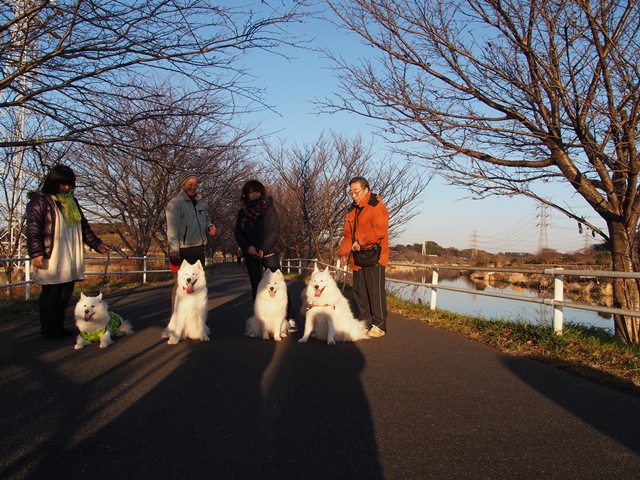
(365, 257)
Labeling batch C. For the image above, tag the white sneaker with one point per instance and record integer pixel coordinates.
(376, 331)
(292, 326)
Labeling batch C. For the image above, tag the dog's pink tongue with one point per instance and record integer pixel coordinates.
(317, 293)
(87, 317)
(272, 293)
(189, 288)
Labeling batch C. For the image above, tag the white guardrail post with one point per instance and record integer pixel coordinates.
(144, 267)
(558, 295)
(434, 289)
(27, 277)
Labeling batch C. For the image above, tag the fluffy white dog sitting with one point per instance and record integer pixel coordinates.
(269, 308)
(329, 316)
(189, 318)
(96, 323)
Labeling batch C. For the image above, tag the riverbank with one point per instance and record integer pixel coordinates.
(589, 352)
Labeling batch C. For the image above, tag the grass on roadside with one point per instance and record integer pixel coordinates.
(16, 308)
(589, 352)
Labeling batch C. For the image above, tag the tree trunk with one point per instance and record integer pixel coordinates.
(626, 291)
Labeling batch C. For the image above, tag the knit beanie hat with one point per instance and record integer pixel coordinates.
(186, 176)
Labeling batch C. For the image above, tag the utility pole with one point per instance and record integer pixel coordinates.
(21, 51)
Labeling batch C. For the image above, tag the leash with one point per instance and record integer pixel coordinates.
(106, 265)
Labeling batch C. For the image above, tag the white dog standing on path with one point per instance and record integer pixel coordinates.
(269, 308)
(189, 317)
(329, 316)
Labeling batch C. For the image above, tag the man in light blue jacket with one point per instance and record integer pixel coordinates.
(188, 223)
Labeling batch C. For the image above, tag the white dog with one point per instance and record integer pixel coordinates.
(329, 316)
(269, 308)
(96, 323)
(189, 317)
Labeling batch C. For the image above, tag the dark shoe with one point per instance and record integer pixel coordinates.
(66, 332)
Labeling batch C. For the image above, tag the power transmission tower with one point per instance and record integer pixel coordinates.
(474, 244)
(542, 224)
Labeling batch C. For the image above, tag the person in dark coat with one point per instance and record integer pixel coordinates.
(56, 231)
(257, 231)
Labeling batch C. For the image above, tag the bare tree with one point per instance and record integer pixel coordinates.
(12, 206)
(67, 64)
(129, 186)
(503, 96)
(310, 187)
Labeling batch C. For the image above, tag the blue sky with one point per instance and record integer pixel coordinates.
(495, 225)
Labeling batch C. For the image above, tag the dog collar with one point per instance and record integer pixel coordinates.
(311, 305)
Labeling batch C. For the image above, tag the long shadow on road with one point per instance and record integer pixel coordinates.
(234, 407)
(421, 403)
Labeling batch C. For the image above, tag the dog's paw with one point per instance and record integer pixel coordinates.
(104, 345)
(303, 340)
(77, 346)
(277, 339)
(173, 340)
(205, 338)
(331, 341)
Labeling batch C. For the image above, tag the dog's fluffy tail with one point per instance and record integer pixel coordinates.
(125, 328)
(359, 331)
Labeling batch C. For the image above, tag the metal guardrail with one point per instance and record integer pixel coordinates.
(27, 270)
(557, 302)
(301, 265)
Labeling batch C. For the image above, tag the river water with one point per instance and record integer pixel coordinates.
(492, 307)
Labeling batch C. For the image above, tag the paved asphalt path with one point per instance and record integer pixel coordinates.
(420, 403)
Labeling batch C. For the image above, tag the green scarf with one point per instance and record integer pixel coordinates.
(69, 208)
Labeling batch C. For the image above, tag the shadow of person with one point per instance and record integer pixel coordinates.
(231, 408)
(598, 406)
(316, 420)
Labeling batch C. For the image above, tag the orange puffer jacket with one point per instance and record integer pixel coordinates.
(372, 228)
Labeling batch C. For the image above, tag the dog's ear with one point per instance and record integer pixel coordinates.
(199, 265)
(100, 296)
(315, 267)
(82, 295)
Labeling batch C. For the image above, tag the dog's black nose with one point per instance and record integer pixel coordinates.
(87, 311)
